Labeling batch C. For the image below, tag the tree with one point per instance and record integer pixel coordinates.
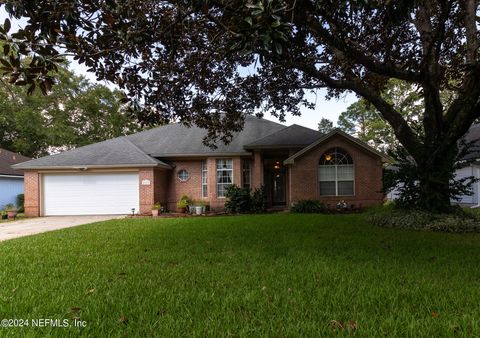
(75, 113)
(364, 121)
(325, 125)
(182, 60)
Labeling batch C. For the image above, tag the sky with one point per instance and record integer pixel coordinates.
(329, 109)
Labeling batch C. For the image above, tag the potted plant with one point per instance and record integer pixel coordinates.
(155, 209)
(11, 210)
(182, 206)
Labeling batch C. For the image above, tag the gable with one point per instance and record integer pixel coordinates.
(340, 135)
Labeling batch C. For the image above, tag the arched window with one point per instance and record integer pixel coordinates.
(336, 173)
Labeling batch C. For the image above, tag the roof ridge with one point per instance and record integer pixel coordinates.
(150, 158)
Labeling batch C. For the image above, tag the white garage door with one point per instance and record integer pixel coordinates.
(90, 194)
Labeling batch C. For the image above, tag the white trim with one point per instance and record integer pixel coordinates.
(12, 176)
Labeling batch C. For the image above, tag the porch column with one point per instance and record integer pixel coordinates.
(31, 181)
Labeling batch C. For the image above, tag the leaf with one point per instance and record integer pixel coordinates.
(90, 291)
(123, 319)
(248, 19)
(7, 25)
(31, 89)
(6, 49)
(5, 63)
(75, 309)
(435, 314)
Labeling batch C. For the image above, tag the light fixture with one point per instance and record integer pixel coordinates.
(133, 211)
(328, 157)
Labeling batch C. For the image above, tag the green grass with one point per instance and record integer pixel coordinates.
(258, 276)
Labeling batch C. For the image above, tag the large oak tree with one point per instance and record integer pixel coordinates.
(193, 60)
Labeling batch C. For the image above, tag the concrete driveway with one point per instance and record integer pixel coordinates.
(31, 226)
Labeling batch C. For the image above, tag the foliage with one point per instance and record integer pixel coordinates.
(182, 204)
(325, 126)
(156, 206)
(20, 201)
(243, 200)
(458, 221)
(10, 207)
(364, 121)
(75, 113)
(309, 207)
(210, 63)
(259, 200)
(405, 177)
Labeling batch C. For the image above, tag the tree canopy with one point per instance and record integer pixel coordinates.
(75, 113)
(210, 62)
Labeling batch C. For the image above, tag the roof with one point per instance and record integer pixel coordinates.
(291, 159)
(7, 158)
(143, 148)
(117, 152)
(473, 135)
(177, 140)
(294, 136)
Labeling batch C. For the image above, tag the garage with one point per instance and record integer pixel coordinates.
(90, 193)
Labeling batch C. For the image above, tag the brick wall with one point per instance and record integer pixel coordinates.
(32, 193)
(146, 191)
(303, 175)
(193, 186)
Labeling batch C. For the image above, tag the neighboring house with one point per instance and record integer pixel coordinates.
(473, 169)
(164, 163)
(11, 181)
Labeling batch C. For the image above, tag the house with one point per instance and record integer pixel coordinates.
(11, 181)
(164, 163)
(473, 169)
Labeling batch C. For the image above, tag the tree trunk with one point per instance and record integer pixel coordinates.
(435, 171)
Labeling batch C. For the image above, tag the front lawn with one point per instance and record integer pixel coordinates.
(267, 275)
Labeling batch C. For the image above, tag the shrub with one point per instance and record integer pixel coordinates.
(259, 200)
(458, 222)
(20, 201)
(243, 200)
(239, 199)
(309, 207)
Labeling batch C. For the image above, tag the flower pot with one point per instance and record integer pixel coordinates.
(155, 212)
(12, 214)
(181, 210)
(198, 210)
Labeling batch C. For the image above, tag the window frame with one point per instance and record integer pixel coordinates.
(178, 175)
(218, 184)
(249, 170)
(204, 180)
(336, 150)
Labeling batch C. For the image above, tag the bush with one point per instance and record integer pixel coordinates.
(459, 222)
(309, 207)
(20, 202)
(242, 200)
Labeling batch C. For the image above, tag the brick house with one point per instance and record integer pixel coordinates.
(164, 163)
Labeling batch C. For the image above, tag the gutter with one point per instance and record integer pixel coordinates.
(96, 166)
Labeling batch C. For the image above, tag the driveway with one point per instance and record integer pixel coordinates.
(31, 226)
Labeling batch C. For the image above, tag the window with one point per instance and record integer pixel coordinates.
(246, 174)
(336, 173)
(204, 179)
(224, 176)
(183, 175)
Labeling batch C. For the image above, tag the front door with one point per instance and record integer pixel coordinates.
(276, 182)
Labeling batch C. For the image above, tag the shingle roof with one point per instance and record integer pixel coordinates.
(7, 158)
(171, 140)
(178, 140)
(473, 135)
(115, 152)
(293, 135)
